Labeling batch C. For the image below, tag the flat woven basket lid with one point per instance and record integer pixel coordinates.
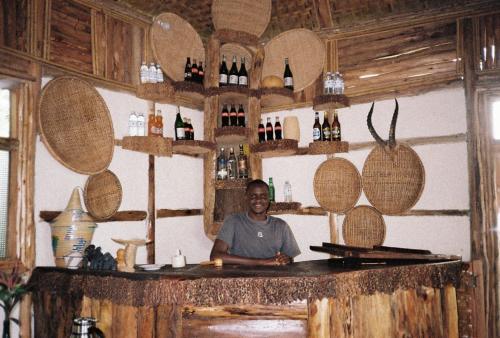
(337, 185)
(173, 40)
(103, 195)
(363, 226)
(249, 16)
(75, 125)
(393, 182)
(230, 49)
(305, 52)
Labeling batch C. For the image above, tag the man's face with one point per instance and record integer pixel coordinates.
(258, 199)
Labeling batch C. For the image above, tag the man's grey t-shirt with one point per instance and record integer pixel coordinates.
(258, 239)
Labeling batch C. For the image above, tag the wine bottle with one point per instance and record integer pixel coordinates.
(223, 72)
(233, 73)
(326, 134)
(233, 116)
(194, 71)
(241, 116)
(179, 126)
(201, 73)
(191, 129)
(287, 76)
(243, 75)
(269, 130)
(262, 132)
(242, 164)
(224, 116)
(187, 131)
(277, 128)
(187, 70)
(336, 134)
(316, 128)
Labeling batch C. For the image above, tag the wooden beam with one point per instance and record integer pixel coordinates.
(120, 216)
(8, 144)
(150, 246)
(163, 213)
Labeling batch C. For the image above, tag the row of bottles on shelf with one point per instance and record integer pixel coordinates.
(230, 167)
(151, 74)
(232, 117)
(287, 191)
(266, 133)
(233, 77)
(333, 83)
(136, 125)
(325, 131)
(194, 72)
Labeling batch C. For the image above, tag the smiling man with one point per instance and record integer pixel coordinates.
(254, 238)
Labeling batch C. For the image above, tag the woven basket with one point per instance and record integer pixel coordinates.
(305, 52)
(75, 125)
(249, 16)
(337, 185)
(230, 49)
(173, 40)
(103, 195)
(393, 180)
(363, 226)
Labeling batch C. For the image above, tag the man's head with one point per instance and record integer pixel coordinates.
(257, 194)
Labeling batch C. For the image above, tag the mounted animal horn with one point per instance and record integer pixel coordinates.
(392, 131)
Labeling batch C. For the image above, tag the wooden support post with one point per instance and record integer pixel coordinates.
(150, 246)
(318, 323)
(254, 112)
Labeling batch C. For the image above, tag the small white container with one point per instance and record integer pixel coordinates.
(179, 260)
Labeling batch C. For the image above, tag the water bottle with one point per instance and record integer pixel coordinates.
(144, 71)
(338, 84)
(327, 83)
(152, 73)
(159, 74)
(132, 124)
(141, 130)
(288, 191)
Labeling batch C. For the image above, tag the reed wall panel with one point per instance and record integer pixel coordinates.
(14, 24)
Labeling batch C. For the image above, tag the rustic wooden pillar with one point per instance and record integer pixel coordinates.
(318, 323)
(150, 246)
(254, 112)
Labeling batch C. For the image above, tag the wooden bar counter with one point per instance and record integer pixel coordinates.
(307, 299)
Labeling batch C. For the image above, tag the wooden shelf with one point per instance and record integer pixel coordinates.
(119, 216)
(275, 148)
(192, 147)
(275, 97)
(231, 135)
(231, 94)
(163, 213)
(330, 102)
(240, 183)
(283, 207)
(292, 210)
(328, 147)
(189, 94)
(159, 92)
(152, 145)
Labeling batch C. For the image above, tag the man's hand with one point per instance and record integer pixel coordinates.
(279, 259)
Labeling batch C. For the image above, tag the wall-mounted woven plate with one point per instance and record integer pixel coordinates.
(249, 16)
(363, 226)
(393, 180)
(172, 40)
(337, 185)
(75, 125)
(103, 195)
(305, 52)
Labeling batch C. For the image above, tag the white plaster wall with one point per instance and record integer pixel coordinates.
(179, 180)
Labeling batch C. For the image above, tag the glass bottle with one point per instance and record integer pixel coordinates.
(159, 74)
(242, 164)
(233, 116)
(151, 123)
(338, 84)
(316, 128)
(269, 130)
(326, 133)
(159, 124)
(191, 129)
(233, 73)
(336, 133)
(277, 128)
(271, 191)
(179, 126)
(221, 165)
(201, 73)
(232, 172)
(144, 72)
(287, 190)
(262, 132)
(152, 73)
(224, 116)
(223, 72)
(132, 124)
(187, 130)
(187, 70)
(243, 75)
(194, 72)
(326, 78)
(141, 131)
(288, 76)
(241, 116)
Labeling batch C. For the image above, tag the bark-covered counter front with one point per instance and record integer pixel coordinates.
(315, 299)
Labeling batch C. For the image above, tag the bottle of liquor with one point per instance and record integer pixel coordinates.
(179, 126)
(271, 191)
(241, 116)
(187, 70)
(152, 73)
(223, 73)
(288, 76)
(336, 134)
(232, 165)
(194, 72)
(201, 73)
(151, 123)
(144, 72)
(159, 74)
(233, 116)
(316, 128)
(233, 73)
(269, 130)
(187, 130)
(287, 189)
(277, 128)
(326, 132)
(242, 164)
(262, 132)
(132, 124)
(191, 129)
(221, 165)
(158, 124)
(225, 116)
(141, 130)
(243, 75)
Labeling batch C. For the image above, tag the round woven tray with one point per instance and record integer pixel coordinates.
(103, 195)
(173, 40)
(393, 181)
(305, 52)
(75, 125)
(363, 226)
(337, 185)
(230, 49)
(249, 16)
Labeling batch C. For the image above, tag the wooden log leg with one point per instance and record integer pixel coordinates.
(318, 324)
(168, 321)
(145, 322)
(105, 320)
(450, 315)
(341, 318)
(124, 321)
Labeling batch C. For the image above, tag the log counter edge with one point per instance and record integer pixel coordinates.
(314, 299)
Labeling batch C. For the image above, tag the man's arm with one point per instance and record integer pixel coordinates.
(220, 250)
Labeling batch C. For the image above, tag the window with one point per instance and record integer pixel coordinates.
(496, 120)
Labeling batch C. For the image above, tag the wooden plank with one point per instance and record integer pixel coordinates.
(105, 320)
(145, 322)
(296, 310)
(120, 216)
(169, 322)
(119, 45)
(124, 321)
(98, 43)
(162, 213)
(318, 323)
(14, 24)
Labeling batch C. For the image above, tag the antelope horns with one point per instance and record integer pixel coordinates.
(392, 131)
(372, 130)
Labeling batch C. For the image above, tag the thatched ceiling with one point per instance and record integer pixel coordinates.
(318, 15)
